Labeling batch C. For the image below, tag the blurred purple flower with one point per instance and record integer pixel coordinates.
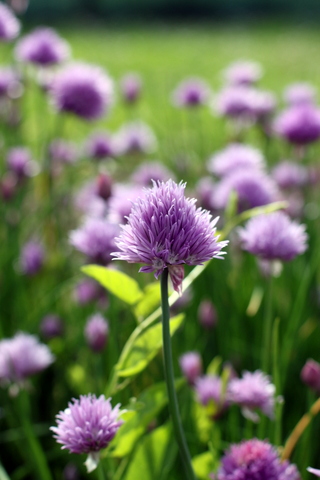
(135, 137)
(32, 257)
(234, 101)
(63, 152)
(255, 460)
(96, 332)
(21, 357)
(96, 239)
(236, 156)
(88, 201)
(83, 90)
(148, 171)
(288, 174)
(19, 161)
(165, 230)
(9, 24)
(253, 189)
(310, 375)
(87, 291)
(274, 236)
(243, 72)
(191, 366)
(100, 146)
(300, 94)
(191, 92)
(51, 326)
(120, 203)
(299, 124)
(204, 192)
(87, 426)
(10, 85)
(42, 47)
(253, 391)
(130, 86)
(209, 392)
(104, 184)
(207, 314)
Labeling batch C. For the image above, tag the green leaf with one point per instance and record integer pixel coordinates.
(203, 464)
(149, 404)
(145, 348)
(118, 283)
(149, 302)
(214, 366)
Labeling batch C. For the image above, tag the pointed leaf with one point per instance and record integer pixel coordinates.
(203, 465)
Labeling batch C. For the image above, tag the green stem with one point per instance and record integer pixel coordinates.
(169, 376)
(100, 472)
(277, 383)
(266, 349)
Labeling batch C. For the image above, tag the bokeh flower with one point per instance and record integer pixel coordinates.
(300, 94)
(165, 230)
(299, 124)
(10, 84)
(130, 86)
(235, 156)
(63, 152)
(51, 326)
(254, 391)
(32, 257)
(310, 375)
(83, 90)
(273, 236)
(148, 171)
(207, 314)
(21, 357)
(289, 174)
(135, 137)
(100, 146)
(191, 366)
(96, 332)
(243, 72)
(87, 426)
(42, 47)
(255, 460)
(9, 24)
(191, 92)
(211, 393)
(19, 161)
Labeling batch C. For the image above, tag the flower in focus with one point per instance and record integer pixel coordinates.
(51, 326)
(310, 375)
(148, 171)
(165, 230)
(211, 393)
(191, 92)
(191, 366)
(255, 460)
(274, 236)
(83, 90)
(21, 357)
(135, 137)
(243, 72)
(87, 426)
(253, 391)
(42, 47)
(300, 94)
(32, 257)
(235, 156)
(9, 24)
(131, 85)
(96, 239)
(299, 124)
(96, 332)
(19, 161)
(100, 146)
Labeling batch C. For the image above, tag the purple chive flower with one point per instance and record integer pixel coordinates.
(120, 203)
(207, 314)
(104, 186)
(130, 86)
(300, 94)
(135, 137)
(253, 189)
(19, 161)
(255, 460)
(191, 92)
(209, 392)
(96, 332)
(165, 230)
(288, 174)
(9, 24)
(88, 201)
(21, 357)
(42, 47)
(87, 291)
(315, 471)
(191, 366)
(51, 326)
(243, 72)
(299, 124)
(234, 101)
(274, 236)
(148, 171)
(310, 375)
(235, 156)
(87, 426)
(263, 104)
(83, 90)
(96, 239)
(32, 258)
(10, 85)
(253, 391)
(100, 146)
(63, 152)
(204, 192)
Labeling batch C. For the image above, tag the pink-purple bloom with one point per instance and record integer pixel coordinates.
(21, 357)
(236, 156)
(254, 391)
(32, 257)
(135, 137)
(289, 174)
(255, 460)
(100, 146)
(9, 24)
(42, 47)
(300, 94)
(51, 326)
(243, 72)
(87, 426)
(148, 171)
(299, 124)
(191, 366)
(166, 230)
(19, 161)
(131, 85)
(121, 200)
(87, 291)
(10, 84)
(207, 314)
(274, 236)
(63, 152)
(210, 392)
(191, 92)
(96, 332)
(310, 375)
(83, 90)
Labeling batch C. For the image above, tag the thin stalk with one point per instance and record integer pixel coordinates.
(277, 383)
(266, 347)
(169, 377)
(100, 472)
